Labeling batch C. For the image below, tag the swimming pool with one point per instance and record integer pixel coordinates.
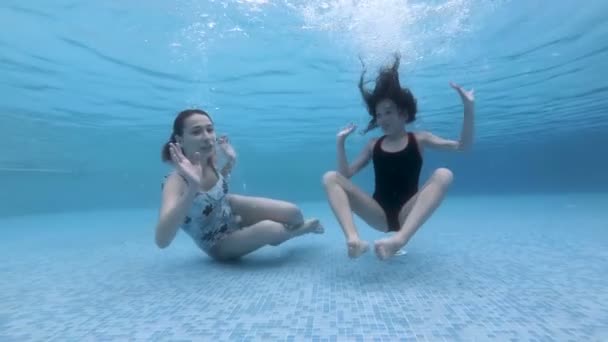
(516, 250)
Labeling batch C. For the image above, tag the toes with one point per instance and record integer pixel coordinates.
(357, 248)
(317, 227)
(380, 252)
(384, 249)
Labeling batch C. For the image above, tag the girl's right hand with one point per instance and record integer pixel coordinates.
(346, 131)
(191, 171)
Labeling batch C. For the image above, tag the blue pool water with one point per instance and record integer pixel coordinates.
(88, 92)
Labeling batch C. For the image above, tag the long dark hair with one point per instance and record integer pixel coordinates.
(178, 129)
(388, 87)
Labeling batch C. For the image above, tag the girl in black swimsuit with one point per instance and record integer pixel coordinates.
(397, 205)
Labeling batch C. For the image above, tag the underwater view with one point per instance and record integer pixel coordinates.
(291, 170)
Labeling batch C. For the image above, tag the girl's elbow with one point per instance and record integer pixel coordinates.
(162, 243)
(161, 240)
(463, 147)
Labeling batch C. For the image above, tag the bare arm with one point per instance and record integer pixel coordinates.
(362, 160)
(227, 169)
(230, 154)
(176, 200)
(466, 134)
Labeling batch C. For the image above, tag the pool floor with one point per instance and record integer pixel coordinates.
(521, 268)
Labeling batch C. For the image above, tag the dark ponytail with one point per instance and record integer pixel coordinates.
(165, 154)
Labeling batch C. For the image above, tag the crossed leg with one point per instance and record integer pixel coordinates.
(265, 222)
(343, 196)
(415, 212)
(255, 209)
(258, 235)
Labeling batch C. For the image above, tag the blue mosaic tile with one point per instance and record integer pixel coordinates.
(476, 271)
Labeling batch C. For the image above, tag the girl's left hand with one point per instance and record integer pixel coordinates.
(467, 96)
(226, 147)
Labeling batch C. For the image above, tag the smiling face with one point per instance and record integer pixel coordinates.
(198, 136)
(388, 116)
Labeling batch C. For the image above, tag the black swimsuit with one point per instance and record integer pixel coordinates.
(396, 178)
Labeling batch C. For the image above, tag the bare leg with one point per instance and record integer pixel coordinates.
(255, 209)
(424, 204)
(266, 232)
(342, 194)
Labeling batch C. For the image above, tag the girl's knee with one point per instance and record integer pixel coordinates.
(293, 211)
(330, 177)
(443, 176)
(290, 214)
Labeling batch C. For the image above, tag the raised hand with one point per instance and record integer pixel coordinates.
(190, 170)
(466, 96)
(226, 148)
(346, 131)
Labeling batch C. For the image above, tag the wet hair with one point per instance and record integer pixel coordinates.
(388, 87)
(178, 129)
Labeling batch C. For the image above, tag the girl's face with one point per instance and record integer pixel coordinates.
(388, 116)
(198, 136)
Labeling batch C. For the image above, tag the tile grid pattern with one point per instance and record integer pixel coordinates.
(515, 281)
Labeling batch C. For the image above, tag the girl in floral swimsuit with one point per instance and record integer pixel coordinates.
(195, 197)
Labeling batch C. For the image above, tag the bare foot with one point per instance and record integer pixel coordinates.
(386, 248)
(314, 226)
(356, 248)
(309, 226)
